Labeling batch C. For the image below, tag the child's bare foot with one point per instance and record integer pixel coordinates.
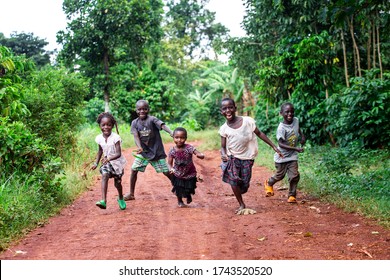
(128, 196)
(182, 205)
(239, 209)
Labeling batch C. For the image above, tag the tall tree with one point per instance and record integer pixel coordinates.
(191, 22)
(29, 45)
(102, 31)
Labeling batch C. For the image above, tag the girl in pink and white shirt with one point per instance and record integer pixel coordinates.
(110, 154)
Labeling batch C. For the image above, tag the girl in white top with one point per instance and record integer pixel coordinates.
(110, 153)
(239, 149)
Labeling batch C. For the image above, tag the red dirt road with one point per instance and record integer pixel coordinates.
(154, 228)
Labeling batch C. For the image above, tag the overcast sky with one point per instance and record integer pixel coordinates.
(45, 18)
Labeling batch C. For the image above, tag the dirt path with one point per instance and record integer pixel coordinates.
(154, 228)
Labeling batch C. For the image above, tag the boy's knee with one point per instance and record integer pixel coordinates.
(272, 181)
(295, 178)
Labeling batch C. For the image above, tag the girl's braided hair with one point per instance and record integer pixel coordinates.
(109, 116)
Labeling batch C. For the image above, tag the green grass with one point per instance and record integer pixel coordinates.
(356, 180)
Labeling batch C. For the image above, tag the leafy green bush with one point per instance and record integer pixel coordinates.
(366, 112)
(20, 149)
(55, 98)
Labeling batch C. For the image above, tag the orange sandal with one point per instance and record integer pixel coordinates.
(269, 190)
(291, 199)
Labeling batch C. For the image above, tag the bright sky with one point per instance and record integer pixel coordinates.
(45, 18)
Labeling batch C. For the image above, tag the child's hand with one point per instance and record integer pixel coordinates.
(139, 150)
(300, 150)
(278, 151)
(224, 157)
(303, 140)
(171, 171)
(200, 155)
(94, 166)
(105, 160)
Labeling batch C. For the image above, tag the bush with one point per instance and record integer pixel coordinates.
(20, 149)
(55, 98)
(365, 115)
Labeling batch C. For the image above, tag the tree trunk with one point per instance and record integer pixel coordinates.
(379, 51)
(369, 42)
(248, 100)
(355, 46)
(106, 84)
(345, 58)
(373, 46)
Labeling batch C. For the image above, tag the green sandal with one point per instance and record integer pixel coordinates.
(122, 204)
(101, 204)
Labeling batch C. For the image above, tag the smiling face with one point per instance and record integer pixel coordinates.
(228, 109)
(180, 137)
(287, 113)
(106, 126)
(142, 109)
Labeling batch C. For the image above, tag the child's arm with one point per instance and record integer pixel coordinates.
(137, 142)
(117, 155)
(166, 128)
(97, 159)
(283, 144)
(264, 137)
(224, 156)
(303, 138)
(170, 164)
(199, 154)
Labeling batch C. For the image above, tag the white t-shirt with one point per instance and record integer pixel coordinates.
(241, 142)
(109, 150)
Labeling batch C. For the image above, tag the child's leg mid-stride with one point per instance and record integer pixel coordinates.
(238, 195)
(281, 169)
(139, 164)
(180, 202)
(237, 173)
(291, 168)
(133, 181)
(293, 179)
(118, 186)
(103, 203)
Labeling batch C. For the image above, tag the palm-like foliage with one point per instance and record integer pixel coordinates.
(224, 81)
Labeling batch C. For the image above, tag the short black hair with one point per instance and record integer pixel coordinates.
(142, 101)
(284, 106)
(228, 99)
(182, 129)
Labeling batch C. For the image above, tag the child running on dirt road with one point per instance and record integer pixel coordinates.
(287, 135)
(182, 167)
(146, 132)
(239, 149)
(113, 162)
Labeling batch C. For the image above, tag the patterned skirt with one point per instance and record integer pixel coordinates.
(108, 169)
(237, 172)
(183, 187)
